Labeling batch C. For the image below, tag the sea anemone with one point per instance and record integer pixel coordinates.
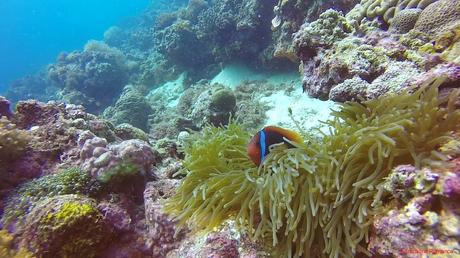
(318, 199)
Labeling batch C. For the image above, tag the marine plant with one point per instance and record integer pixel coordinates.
(316, 200)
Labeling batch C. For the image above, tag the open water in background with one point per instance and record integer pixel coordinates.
(34, 32)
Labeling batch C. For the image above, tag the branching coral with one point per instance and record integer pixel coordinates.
(317, 199)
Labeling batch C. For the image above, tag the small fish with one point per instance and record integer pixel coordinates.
(259, 146)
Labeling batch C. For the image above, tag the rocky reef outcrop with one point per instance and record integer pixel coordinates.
(92, 77)
(376, 48)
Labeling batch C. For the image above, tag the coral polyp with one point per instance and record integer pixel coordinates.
(318, 199)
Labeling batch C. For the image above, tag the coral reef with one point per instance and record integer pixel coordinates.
(162, 229)
(54, 228)
(392, 81)
(330, 27)
(69, 181)
(405, 20)
(387, 10)
(438, 17)
(427, 201)
(200, 38)
(131, 107)
(98, 157)
(349, 58)
(214, 105)
(13, 141)
(414, 36)
(291, 14)
(127, 132)
(84, 75)
(36, 86)
(333, 213)
(164, 172)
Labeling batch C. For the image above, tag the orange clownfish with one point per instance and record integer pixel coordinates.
(259, 146)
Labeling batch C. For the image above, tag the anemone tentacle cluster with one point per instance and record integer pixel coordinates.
(316, 200)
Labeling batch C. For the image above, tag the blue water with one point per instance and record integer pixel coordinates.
(34, 32)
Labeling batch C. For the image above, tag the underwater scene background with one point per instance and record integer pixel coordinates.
(230, 128)
(35, 32)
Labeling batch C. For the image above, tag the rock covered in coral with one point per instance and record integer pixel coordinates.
(370, 62)
(92, 77)
(98, 157)
(65, 136)
(131, 108)
(330, 27)
(405, 20)
(126, 131)
(289, 15)
(387, 10)
(214, 106)
(350, 58)
(54, 228)
(226, 242)
(438, 17)
(13, 141)
(393, 80)
(201, 37)
(115, 216)
(426, 222)
(162, 234)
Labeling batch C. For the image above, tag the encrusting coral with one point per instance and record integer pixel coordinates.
(316, 200)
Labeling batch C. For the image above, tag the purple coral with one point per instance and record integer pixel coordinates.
(161, 228)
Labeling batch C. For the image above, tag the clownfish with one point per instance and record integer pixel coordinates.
(259, 146)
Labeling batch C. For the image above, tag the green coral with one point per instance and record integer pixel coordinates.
(119, 173)
(64, 226)
(69, 181)
(127, 178)
(316, 200)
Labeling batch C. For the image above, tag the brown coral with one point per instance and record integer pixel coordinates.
(438, 17)
(405, 20)
(13, 141)
(388, 9)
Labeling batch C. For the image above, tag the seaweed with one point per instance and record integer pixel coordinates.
(318, 199)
